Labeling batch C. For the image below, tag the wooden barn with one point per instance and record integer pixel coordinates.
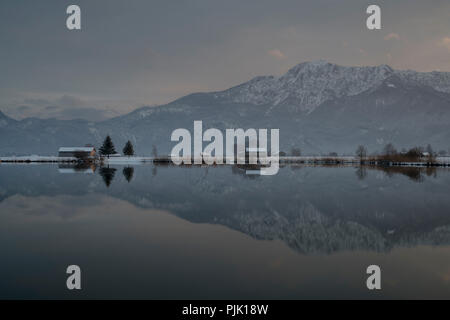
(77, 152)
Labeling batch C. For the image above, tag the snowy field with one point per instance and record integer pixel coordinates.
(36, 158)
(127, 160)
(111, 160)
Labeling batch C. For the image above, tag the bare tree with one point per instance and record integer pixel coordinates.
(389, 150)
(296, 152)
(414, 154)
(361, 152)
(333, 154)
(431, 154)
(429, 149)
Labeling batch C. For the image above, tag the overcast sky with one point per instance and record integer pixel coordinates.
(146, 52)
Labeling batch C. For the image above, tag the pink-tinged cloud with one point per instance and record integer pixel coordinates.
(276, 54)
(392, 36)
(445, 42)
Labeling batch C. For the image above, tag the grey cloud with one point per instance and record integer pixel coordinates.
(154, 51)
(84, 113)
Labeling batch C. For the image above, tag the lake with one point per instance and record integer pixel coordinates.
(168, 232)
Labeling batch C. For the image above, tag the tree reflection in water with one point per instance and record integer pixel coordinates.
(128, 173)
(107, 174)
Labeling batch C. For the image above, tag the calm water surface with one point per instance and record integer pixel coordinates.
(215, 233)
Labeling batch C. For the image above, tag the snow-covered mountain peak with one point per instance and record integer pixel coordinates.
(308, 84)
(438, 80)
(312, 65)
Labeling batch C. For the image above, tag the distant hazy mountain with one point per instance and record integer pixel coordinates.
(318, 106)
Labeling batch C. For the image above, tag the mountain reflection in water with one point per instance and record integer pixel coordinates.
(314, 211)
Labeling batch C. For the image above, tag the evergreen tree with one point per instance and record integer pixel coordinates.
(128, 149)
(108, 147)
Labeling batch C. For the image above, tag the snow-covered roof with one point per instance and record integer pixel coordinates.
(76, 149)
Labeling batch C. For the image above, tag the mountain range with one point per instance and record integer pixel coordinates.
(318, 106)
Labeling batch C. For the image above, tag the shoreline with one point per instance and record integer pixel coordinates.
(307, 160)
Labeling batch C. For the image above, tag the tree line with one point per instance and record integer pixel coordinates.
(390, 153)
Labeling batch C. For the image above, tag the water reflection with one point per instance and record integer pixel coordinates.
(292, 230)
(361, 172)
(107, 174)
(80, 167)
(311, 209)
(414, 173)
(128, 173)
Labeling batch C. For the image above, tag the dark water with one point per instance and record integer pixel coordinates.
(213, 232)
